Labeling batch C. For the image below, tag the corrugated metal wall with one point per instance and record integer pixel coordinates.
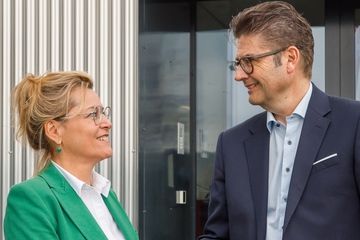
(96, 36)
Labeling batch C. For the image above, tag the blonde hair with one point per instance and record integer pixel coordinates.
(38, 99)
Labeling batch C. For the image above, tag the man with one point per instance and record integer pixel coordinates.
(293, 171)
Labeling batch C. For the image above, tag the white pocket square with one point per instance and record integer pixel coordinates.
(325, 158)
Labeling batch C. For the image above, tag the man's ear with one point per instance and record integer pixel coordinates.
(52, 130)
(293, 58)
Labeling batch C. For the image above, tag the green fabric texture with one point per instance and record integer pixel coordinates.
(47, 207)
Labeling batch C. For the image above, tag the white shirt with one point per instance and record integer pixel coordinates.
(284, 140)
(91, 196)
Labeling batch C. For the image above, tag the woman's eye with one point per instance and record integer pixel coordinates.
(92, 114)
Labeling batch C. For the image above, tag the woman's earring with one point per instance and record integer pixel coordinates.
(59, 149)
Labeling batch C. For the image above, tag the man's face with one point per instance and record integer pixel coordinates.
(268, 81)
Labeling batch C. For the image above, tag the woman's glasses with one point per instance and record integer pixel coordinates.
(98, 113)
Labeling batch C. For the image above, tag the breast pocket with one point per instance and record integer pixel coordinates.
(325, 163)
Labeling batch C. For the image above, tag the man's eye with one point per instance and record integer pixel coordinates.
(246, 62)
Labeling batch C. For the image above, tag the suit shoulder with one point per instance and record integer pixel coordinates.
(36, 184)
(257, 121)
(344, 105)
(34, 181)
(343, 100)
(260, 117)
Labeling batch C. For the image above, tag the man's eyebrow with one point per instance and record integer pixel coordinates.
(246, 56)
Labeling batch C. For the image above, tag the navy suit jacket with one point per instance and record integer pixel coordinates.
(323, 199)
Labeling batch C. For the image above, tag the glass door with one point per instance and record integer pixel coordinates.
(357, 52)
(166, 204)
(221, 102)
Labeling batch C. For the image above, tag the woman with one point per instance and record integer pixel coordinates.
(64, 121)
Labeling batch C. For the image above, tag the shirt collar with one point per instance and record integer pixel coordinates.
(300, 110)
(98, 182)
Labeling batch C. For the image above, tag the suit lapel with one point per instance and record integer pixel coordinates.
(72, 204)
(257, 151)
(120, 216)
(313, 132)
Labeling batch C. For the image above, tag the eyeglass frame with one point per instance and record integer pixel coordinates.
(236, 63)
(104, 112)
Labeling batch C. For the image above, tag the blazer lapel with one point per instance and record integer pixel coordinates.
(120, 216)
(72, 204)
(257, 151)
(313, 132)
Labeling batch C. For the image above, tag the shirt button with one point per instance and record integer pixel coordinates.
(278, 124)
(289, 142)
(285, 199)
(287, 169)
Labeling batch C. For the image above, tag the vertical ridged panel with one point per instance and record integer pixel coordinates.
(131, 105)
(118, 88)
(7, 163)
(99, 37)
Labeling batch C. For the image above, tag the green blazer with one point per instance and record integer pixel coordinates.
(47, 207)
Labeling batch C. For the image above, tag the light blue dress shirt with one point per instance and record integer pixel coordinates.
(284, 140)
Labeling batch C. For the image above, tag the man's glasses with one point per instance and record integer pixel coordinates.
(246, 62)
(98, 113)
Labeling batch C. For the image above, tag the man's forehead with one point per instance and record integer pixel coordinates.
(251, 43)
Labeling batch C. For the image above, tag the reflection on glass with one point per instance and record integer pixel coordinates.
(357, 53)
(164, 103)
(223, 103)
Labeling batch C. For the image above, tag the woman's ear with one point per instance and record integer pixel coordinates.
(52, 130)
(293, 58)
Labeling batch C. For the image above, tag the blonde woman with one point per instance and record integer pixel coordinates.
(64, 120)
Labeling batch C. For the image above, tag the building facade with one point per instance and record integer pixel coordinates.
(164, 68)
